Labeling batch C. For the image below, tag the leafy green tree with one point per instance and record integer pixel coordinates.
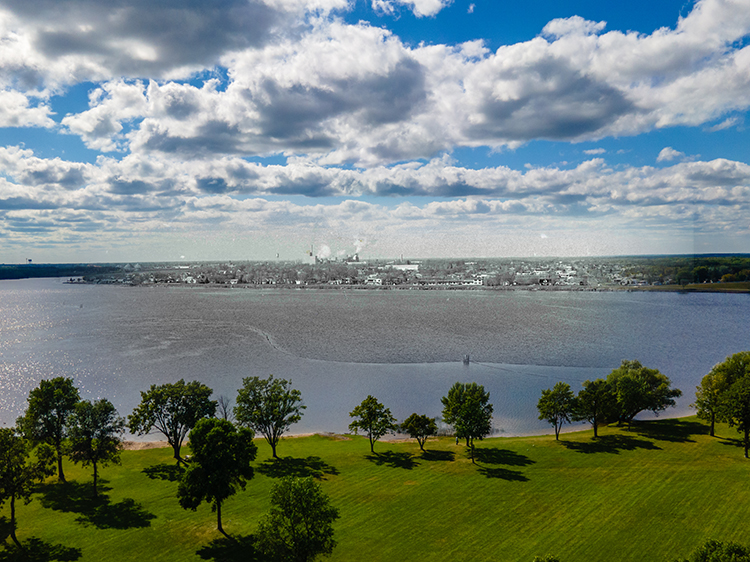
(708, 395)
(638, 388)
(595, 403)
(717, 551)
(419, 427)
(219, 466)
(268, 406)
(548, 558)
(18, 475)
(96, 435)
(46, 417)
(735, 408)
(556, 406)
(172, 409)
(467, 408)
(374, 419)
(299, 526)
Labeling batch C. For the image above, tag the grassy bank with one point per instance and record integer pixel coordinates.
(653, 493)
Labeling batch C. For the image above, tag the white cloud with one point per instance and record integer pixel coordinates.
(594, 151)
(668, 154)
(421, 8)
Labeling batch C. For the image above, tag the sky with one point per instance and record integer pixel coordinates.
(185, 130)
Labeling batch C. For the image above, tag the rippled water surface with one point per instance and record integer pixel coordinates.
(337, 346)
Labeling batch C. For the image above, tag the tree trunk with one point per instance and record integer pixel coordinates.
(95, 475)
(557, 431)
(13, 521)
(472, 453)
(595, 428)
(747, 440)
(60, 474)
(176, 450)
(273, 449)
(218, 520)
(713, 420)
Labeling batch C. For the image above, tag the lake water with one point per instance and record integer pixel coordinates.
(337, 346)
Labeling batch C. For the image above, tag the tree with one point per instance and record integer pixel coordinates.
(299, 526)
(220, 465)
(96, 435)
(17, 475)
(173, 409)
(46, 417)
(556, 406)
(735, 408)
(467, 408)
(268, 406)
(374, 419)
(419, 427)
(708, 394)
(639, 388)
(716, 551)
(547, 558)
(595, 403)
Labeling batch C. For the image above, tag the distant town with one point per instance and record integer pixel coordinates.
(714, 272)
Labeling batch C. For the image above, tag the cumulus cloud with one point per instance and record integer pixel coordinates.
(668, 154)
(421, 8)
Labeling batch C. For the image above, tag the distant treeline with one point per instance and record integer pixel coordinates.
(694, 269)
(27, 271)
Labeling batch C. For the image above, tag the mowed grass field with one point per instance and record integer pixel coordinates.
(649, 494)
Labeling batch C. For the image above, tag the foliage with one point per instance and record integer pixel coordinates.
(419, 427)
(735, 408)
(96, 435)
(639, 388)
(299, 526)
(173, 409)
(46, 417)
(374, 419)
(708, 395)
(716, 551)
(467, 408)
(17, 474)
(219, 466)
(556, 406)
(268, 406)
(595, 404)
(548, 558)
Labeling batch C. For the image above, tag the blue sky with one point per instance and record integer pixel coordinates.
(241, 129)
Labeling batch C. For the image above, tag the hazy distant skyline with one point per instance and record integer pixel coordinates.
(243, 129)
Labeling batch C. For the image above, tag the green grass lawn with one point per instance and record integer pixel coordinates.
(650, 494)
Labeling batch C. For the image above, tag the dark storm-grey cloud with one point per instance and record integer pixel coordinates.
(175, 33)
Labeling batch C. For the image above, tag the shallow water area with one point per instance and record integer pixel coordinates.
(337, 346)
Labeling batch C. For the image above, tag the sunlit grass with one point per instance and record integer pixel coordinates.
(653, 493)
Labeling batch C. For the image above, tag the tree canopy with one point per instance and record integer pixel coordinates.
(299, 526)
(219, 465)
(374, 419)
(638, 388)
(419, 427)
(595, 404)
(269, 407)
(717, 551)
(173, 409)
(556, 406)
(46, 417)
(19, 474)
(96, 435)
(467, 408)
(709, 394)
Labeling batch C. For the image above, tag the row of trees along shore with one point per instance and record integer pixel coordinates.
(57, 423)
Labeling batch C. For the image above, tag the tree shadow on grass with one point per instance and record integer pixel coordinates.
(610, 444)
(290, 466)
(37, 550)
(494, 456)
(97, 511)
(169, 472)
(674, 430)
(732, 442)
(432, 455)
(393, 460)
(237, 549)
